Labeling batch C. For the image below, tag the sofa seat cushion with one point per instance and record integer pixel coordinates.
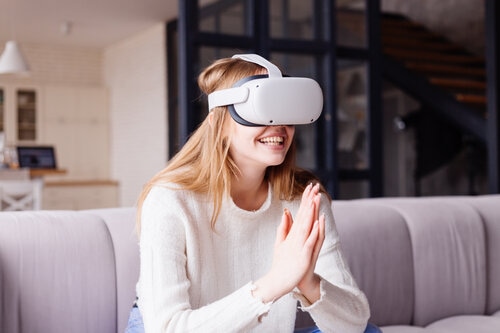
(402, 329)
(466, 324)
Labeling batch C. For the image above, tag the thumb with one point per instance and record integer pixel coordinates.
(284, 226)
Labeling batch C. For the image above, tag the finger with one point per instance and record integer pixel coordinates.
(317, 202)
(305, 218)
(308, 211)
(311, 241)
(289, 220)
(322, 225)
(315, 188)
(313, 191)
(282, 231)
(321, 237)
(307, 191)
(311, 194)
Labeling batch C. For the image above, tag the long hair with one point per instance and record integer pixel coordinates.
(204, 164)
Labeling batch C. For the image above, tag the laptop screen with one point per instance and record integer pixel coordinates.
(37, 157)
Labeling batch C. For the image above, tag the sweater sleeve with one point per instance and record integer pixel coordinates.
(342, 306)
(163, 286)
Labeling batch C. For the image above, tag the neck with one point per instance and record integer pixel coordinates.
(249, 193)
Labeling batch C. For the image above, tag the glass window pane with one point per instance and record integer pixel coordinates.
(225, 17)
(209, 54)
(305, 135)
(351, 26)
(353, 189)
(292, 19)
(352, 115)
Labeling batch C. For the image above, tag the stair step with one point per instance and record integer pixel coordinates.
(422, 44)
(445, 69)
(405, 54)
(471, 99)
(458, 83)
(445, 64)
(409, 33)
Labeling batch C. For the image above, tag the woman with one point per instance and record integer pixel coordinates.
(232, 233)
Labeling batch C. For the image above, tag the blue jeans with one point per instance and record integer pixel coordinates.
(135, 325)
(370, 328)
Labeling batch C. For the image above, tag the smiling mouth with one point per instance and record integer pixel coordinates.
(273, 140)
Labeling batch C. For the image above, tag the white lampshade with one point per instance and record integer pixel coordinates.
(12, 59)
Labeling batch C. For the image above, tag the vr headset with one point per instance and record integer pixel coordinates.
(268, 100)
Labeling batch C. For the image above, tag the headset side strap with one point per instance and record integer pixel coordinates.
(227, 97)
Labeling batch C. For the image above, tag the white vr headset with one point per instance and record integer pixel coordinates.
(267, 100)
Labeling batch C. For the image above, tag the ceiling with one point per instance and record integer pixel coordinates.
(92, 23)
(100, 23)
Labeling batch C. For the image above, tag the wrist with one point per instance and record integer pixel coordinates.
(267, 290)
(310, 288)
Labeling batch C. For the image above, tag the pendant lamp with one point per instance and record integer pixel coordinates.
(12, 60)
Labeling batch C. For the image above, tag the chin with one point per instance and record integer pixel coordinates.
(276, 162)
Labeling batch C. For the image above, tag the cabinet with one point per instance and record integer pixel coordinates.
(1, 110)
(26, 115)
(75, 120)
(19, 113)
(80, 195)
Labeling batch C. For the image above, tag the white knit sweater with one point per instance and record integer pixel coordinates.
(195, 279)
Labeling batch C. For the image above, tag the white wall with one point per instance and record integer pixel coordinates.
(58, 65)
(135, 74)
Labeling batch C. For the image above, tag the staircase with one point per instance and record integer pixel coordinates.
(441, 74)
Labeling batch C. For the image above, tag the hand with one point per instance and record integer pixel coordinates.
(296, 250)
(309, 286)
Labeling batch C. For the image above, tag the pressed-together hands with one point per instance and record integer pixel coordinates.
(296, 250)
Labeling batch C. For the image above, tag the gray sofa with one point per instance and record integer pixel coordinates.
(426, 264)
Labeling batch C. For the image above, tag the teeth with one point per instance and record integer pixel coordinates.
(276, 140)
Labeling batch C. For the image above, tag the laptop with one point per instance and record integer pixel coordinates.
(36, 157)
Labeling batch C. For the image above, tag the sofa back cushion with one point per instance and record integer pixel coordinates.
(488, 207)
(121, 225)
(449, 257)
(57, 273)
(376, 243)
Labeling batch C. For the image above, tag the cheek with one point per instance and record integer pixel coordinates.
(290, 132)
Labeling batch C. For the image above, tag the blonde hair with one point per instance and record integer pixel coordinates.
(204, 164)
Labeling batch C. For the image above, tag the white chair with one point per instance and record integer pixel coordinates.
(18, 195)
